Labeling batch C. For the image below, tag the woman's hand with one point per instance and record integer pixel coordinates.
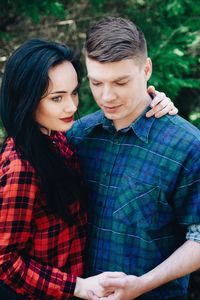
(93, 284)
(160, 105)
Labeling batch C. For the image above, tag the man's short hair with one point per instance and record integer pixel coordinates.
(114, 39)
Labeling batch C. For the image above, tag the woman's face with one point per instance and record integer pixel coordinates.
(56, 109)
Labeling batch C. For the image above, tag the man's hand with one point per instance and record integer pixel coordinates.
(184, 260)
(127, 287)
(161, 104)
(93, 284)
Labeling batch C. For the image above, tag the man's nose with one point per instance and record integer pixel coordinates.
(108, 94)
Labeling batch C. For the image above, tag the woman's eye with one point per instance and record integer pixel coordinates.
(57, 99)
(75, 92)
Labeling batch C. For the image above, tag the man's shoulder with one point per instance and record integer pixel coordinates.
(177, 140)
(84, 124)
(185, 125)
(179, 128)
(92, 119)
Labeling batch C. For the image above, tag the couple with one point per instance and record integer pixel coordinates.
(138, 201)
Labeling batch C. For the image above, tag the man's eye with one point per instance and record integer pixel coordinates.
(96, 83)
(121, 83)
(57, 99)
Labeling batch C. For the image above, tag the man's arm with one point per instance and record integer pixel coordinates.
(184, 260)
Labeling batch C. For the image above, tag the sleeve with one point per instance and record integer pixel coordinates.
(193, 233)
(186, 197)
(25, 275)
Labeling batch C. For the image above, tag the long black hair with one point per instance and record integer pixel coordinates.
(24, 83)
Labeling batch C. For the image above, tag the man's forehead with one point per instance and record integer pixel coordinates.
(121, 68)
(117, 77)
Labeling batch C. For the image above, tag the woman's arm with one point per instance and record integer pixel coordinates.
(25, 275)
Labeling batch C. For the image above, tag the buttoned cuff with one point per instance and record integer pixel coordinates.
(193, 233)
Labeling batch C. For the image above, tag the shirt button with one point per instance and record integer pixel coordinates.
(106, 173)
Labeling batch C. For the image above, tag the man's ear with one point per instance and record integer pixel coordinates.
(148, 68)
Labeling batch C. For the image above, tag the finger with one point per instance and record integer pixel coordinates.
(112, 296)
(158, 98)
(150, 113)
(161, 112)
(173, 111)
(114, 274)
(164, 104)
(151, 89)
(162, 107)
(111, 283)
(92, 296)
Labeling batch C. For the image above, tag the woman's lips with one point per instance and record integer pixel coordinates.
(67, 120)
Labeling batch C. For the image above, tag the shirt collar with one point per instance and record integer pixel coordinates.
(141, 126)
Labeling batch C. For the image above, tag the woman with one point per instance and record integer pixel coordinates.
(42, 214)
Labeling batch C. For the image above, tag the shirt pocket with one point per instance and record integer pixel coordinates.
(142, 206)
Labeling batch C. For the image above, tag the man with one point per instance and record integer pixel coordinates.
(143, 174)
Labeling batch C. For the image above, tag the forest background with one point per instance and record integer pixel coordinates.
(171, 27)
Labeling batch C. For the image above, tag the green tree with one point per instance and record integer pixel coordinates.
(172, 29)
(13, 11)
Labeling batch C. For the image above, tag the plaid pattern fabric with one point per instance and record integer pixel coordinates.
(144, 191)
(40, 254)
(193, 233)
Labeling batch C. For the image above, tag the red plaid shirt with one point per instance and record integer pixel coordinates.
(40, 255)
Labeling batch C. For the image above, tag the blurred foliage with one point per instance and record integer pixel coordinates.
(171, 27)
(12, 11)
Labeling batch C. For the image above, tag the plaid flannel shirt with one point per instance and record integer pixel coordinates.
(40, 254)
(144, 192)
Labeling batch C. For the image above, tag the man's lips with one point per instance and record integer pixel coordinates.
(110, 108)
(67, 120)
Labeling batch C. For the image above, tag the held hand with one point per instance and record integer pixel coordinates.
(161, 104)
(92, 284)
(127, 287)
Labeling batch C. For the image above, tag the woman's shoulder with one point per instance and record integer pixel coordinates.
(10, 160)
(18, 179)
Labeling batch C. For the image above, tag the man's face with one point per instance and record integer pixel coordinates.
(119, 88)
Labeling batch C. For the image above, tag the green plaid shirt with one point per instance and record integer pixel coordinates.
(144, 192)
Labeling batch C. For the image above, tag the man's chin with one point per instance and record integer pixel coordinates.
(110, 116)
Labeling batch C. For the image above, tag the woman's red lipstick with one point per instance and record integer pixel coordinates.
(67, 120)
